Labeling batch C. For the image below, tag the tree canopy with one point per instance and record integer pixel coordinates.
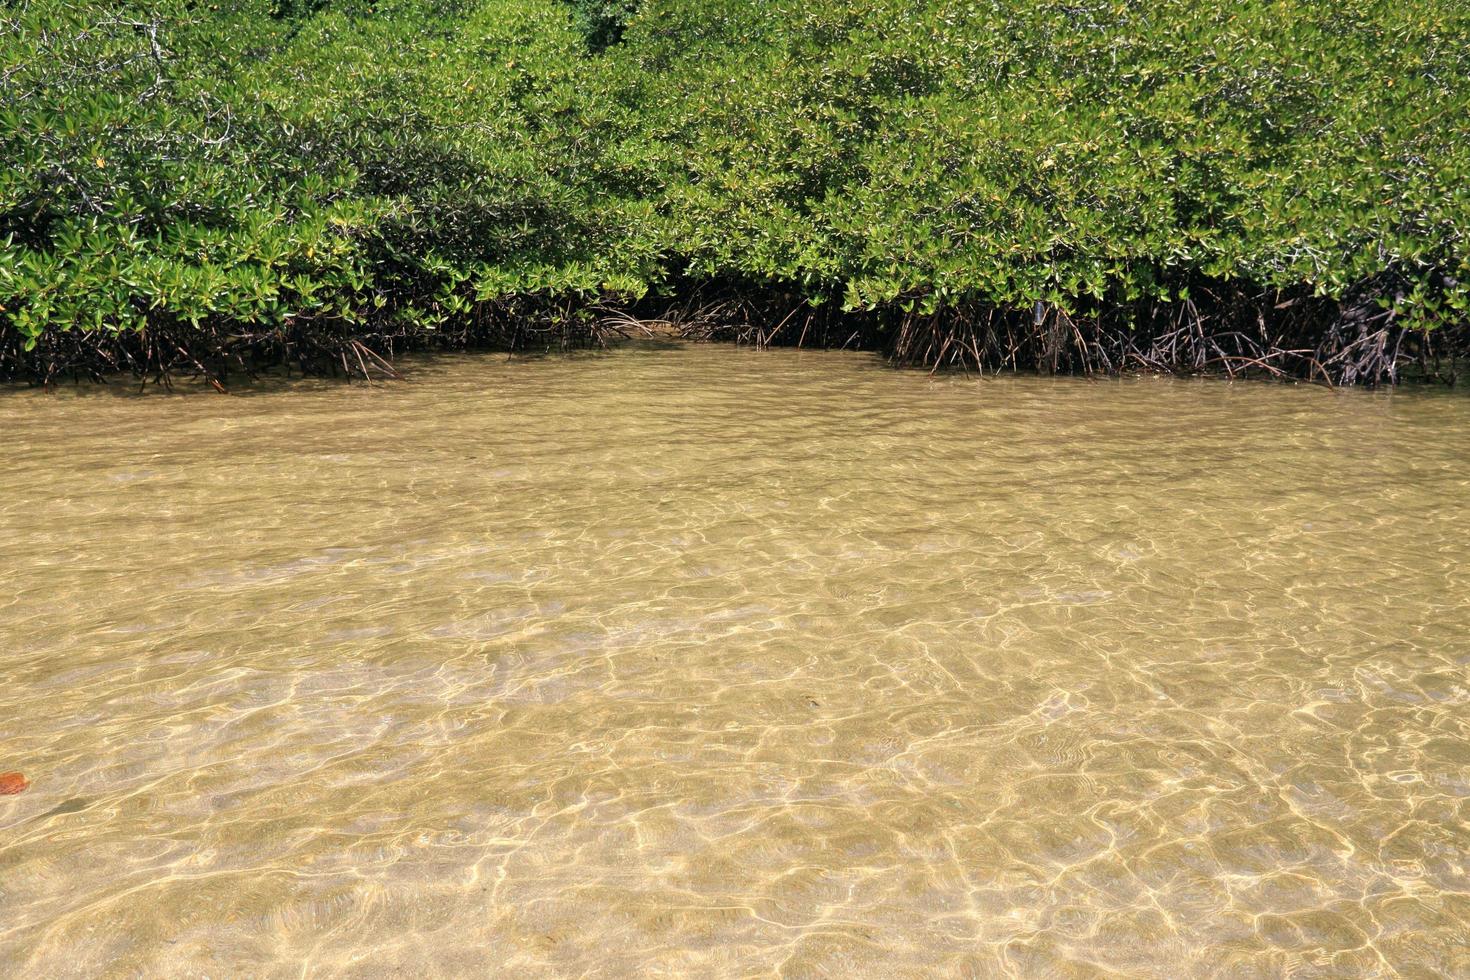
(303, 174)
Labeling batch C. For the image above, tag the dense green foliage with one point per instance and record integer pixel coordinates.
(208, 185)
(603, 21)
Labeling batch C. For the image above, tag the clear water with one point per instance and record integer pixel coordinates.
(697, 661)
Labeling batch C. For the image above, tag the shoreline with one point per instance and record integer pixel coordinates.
(1299, 339)
(395, 365)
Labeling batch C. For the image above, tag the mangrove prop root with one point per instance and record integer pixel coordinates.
(1219, 329)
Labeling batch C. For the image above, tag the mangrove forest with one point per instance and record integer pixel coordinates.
(1272, 188)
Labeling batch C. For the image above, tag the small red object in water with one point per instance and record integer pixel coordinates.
(12, 783)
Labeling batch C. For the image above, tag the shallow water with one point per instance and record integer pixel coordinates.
(708, 662)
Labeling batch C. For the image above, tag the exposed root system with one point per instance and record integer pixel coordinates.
(1221, 331)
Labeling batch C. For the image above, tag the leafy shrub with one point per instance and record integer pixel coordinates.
(603, 21)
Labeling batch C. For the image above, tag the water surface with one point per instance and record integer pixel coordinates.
(707, 662)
